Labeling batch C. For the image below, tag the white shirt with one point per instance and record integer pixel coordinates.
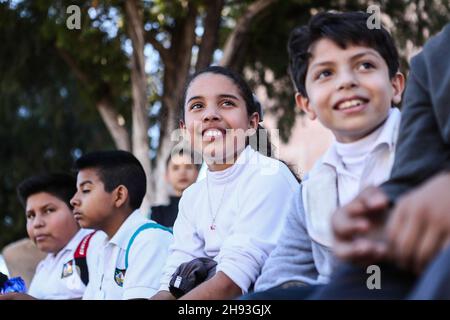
(249, 201)
(56, 276)
(365, 162)
(110, 280)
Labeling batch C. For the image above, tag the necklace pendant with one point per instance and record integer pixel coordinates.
(212, 227)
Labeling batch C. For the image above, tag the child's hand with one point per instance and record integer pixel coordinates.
(16, 296)
(354, 224)
(420, 224)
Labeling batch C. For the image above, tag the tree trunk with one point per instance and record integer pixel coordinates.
(111, 119)
(234, 49)
(140, 139)
(209, 41)
(175, 76)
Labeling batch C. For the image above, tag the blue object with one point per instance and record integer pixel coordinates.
(13, 285)
(149, 225)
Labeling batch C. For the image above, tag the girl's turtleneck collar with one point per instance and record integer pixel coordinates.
(228, 174)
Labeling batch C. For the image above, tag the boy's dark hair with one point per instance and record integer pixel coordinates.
(116, 168)
(62, 186)
(181, 152)
(348, 28)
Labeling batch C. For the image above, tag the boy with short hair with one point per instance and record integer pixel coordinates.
(404, 225)
(52, 227)
(110, 188)
(181, 172)
(346, 76)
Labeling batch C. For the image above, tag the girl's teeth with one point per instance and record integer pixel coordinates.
(213, 133)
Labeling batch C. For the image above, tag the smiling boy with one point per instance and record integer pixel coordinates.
(346, 76)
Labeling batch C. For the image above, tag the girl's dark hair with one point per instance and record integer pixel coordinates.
(251, 103)
(344, 29)
(260, 140)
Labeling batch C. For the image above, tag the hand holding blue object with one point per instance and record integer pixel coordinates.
(11, 285)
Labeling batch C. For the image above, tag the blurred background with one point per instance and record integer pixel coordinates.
(110, 74)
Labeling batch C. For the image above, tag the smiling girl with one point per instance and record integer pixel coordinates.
(235, 214)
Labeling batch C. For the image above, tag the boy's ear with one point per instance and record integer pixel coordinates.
(303, 104)
(181, 124)
(398, 85)
(120, 196)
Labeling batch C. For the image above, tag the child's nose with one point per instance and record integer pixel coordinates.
(347, 80)
(211, 114)
(74, 201)
(38, 222)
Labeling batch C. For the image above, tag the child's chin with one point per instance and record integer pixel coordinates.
(46, 249)
(84, 224)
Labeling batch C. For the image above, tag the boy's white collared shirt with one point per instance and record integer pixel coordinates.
(109, 280)
(56, 276)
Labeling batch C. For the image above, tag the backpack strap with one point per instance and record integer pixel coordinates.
(80, 257)
(149, 225)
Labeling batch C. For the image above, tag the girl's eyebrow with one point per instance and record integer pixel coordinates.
(228, 96)
(194, 98)
(224, 95)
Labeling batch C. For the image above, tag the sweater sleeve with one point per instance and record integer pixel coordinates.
(264, 204)
(422, 149)
(187, 244)
(292, 259)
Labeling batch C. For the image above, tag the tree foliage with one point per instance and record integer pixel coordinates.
(65, 92)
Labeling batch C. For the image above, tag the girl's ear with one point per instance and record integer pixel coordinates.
(182, 124)
(398, 85)
(253, 121)
(120, 195)
(303, 104)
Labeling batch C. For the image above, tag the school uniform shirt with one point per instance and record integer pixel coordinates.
(56, 276)
(110, 280)
(249, 202)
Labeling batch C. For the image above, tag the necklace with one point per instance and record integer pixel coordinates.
(212, 226)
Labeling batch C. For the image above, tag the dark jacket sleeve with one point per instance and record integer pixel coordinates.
(424, 139)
